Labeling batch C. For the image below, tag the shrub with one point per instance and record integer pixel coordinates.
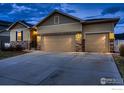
(19, 48)
(121, 49)
(11, 48)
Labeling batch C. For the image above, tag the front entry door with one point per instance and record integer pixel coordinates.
(33, 43)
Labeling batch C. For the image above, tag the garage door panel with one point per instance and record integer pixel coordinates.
(96, 43)
(59, 43)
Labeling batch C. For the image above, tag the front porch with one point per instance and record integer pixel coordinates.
(33, 41)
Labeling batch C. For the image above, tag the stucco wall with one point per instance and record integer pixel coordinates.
(68, 27)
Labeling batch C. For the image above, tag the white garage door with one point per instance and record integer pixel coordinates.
(96, 43)
(58, 43)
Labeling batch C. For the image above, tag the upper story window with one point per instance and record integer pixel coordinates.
(56, 19)
(19, 36)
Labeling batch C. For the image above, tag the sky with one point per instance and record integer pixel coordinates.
(34, 12)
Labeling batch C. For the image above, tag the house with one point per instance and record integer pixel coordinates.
(4, 34)
(61, 32)
(119, 39)
(20, 34)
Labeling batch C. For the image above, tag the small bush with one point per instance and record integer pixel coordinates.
(121, 49)
(8, 48)
(11, 48)
(19, 48)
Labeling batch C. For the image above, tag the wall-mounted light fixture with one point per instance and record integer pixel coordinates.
(111, 35)
(78, 37)
(34, 32)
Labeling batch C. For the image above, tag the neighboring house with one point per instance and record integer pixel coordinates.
(119, 39)
(4, 34)
(20, 34)
(63, 32)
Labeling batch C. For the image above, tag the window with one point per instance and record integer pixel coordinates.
(19, 36)
(56, 19)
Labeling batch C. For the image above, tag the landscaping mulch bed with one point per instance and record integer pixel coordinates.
(119, 60)
(7, 54)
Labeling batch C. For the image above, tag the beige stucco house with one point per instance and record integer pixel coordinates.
(61, 32)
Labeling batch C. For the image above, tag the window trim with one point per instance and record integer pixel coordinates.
(55, 20)
(17, 35)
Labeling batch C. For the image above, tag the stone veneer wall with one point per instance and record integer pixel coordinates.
(38, 46)
(83, 45)
(79, 46)
(24, 44)
(111, 42)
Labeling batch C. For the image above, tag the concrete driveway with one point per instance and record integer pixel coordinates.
(40, 68)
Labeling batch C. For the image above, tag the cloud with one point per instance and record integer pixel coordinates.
(17, 8)
(112, 10)
(2, 4)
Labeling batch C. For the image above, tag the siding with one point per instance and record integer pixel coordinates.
(18, 26)
(4, 39)
(69, 27)
(100, 27)
(63, 19)
(5, 33)
(26, 34)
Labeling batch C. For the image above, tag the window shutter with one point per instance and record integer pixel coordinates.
(16, 35)
(22, 35)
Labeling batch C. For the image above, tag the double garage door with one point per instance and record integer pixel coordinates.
(66, 43)
(58, 43)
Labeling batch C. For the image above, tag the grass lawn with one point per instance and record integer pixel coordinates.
(6, 54)
(119, 60)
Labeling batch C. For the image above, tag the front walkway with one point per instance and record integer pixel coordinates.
(59, 68)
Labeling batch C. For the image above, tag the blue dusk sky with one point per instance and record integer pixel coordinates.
(33, 13)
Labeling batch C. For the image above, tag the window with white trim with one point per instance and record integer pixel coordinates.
(19, 36)
(56, 20)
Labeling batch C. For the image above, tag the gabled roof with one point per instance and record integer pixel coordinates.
(60, 12)
(27, 25)
(119, 36)
(88, 21)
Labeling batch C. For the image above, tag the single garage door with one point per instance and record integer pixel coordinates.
(96, 43)
(58, 43)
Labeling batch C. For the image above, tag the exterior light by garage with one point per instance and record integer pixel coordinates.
(111, 36)
(78, 37)
(111, 41)
(34, 32)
